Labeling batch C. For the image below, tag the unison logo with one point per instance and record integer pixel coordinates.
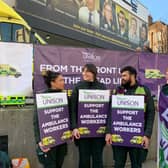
(90, 57)
(128, 102)
(49, 101)
(94, 97)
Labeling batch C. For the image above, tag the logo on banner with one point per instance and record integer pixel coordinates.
(7, 70)
(90, 57)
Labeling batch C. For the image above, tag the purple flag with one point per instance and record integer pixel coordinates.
(163, 131)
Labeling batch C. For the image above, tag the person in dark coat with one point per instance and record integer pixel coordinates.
(88, 147)
(130, 86)
(50, 157)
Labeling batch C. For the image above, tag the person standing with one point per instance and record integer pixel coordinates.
(88, 147)
(130, 86)
(50, 157)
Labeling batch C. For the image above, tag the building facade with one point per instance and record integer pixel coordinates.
(158, 37)
(113, 24)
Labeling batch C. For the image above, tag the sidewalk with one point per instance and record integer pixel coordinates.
(147, 164)
(150, 164)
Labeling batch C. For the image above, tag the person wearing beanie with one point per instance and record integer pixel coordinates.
(88, 147)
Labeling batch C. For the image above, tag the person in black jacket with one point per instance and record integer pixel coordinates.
(88, 147)
(50, 157)
(129, 86)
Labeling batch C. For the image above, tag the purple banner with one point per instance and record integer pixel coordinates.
(127, 120)
(53, 118)
(69, 61)
(152, 69)
(163, 130)
(92, 112)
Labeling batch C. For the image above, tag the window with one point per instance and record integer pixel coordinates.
(27, 35)
(10, 32)
(18, 33)
(12, 69)
(6, 32)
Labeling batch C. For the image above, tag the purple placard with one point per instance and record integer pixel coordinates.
(53, 119)
(92, 126)
(127, 124)
(92, 115)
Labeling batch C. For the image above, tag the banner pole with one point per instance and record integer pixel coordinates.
(158, 126)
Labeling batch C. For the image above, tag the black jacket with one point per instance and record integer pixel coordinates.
(74, 98)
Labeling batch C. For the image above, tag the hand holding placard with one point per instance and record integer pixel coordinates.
(108, 139)
(75, 134)
(145, 142)
(43, 148)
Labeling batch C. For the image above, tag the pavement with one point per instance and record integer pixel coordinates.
(150, 164)
(147, 164)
